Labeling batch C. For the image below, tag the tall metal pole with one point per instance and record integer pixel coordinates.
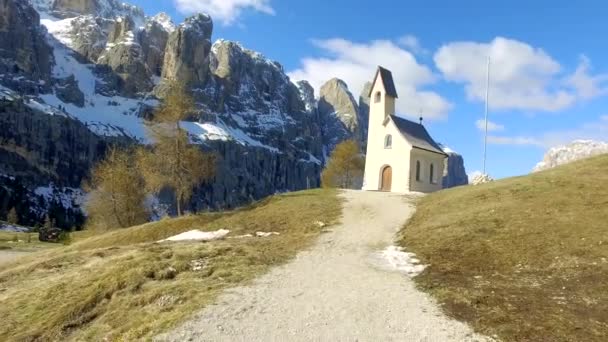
(485, 143)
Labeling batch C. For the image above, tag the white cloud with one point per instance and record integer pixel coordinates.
(587, 86)
(412, 44)
(226, 11)
(596, 130)
(492, 126)
(522, 77)
(356, 63)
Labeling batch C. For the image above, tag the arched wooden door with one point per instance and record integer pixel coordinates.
(387, 178)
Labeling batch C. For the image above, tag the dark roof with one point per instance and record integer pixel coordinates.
(387, 80)
(417, 135)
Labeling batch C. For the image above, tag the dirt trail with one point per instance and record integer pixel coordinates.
(332, 292)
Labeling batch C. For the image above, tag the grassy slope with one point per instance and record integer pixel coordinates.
(123, 286)
(524, 258)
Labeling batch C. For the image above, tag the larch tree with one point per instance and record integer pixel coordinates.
(172, 162)
(345, 167)
(12, 216)
(116, 192)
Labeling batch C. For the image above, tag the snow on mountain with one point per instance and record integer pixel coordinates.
(578, 149)
(164, 20)
(104, 115)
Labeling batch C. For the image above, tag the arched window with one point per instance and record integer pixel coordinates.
(432, 174)
(388, 141)
(418, 170)
(378, 97)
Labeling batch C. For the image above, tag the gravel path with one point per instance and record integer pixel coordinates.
(332, 292)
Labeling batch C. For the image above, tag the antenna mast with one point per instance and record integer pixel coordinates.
(485, 143)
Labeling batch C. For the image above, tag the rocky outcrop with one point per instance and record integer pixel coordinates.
(576, 150)
(455, 173)
(307, 95)
(125, 58)
(153, 40)
(187, 51)
(23, 49)
(338, 113)
(88, 35)
(76, 7)
(67, 90)
(102, 8)
(364, 101)
(481, 178)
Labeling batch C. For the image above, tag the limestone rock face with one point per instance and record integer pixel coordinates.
(76, 6)
(455, 173)
(23, 48)
(125, 58)
(153, 40)
(45, 148)
(73, 8)
(364, 102)
(338, 113)
(68, 91)
(307, 94)
(89, 37)
(187, 51)
(577, 150)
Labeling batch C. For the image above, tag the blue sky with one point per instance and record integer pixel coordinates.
(549, 62)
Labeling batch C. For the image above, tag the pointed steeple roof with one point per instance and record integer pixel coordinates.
(387, 80)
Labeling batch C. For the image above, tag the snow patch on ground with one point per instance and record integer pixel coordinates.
(397, 259)
(7, 227)
(197, 235)
(266, 234)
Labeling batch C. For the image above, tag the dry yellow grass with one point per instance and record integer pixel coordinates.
(122, 285)
(523, 258)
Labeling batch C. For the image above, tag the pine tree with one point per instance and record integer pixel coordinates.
(12, 217)
(116, 192)
(345, 166)
(173, 162)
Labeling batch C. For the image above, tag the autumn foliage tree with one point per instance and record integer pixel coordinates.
(116, 193)
(345, 167)
(172, 162)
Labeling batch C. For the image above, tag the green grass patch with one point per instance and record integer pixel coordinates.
(121, 285)
(524, 258)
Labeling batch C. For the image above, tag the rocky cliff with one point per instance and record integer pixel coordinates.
(339, 114)
(578, 149)
(86, 74)
(455, 173)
